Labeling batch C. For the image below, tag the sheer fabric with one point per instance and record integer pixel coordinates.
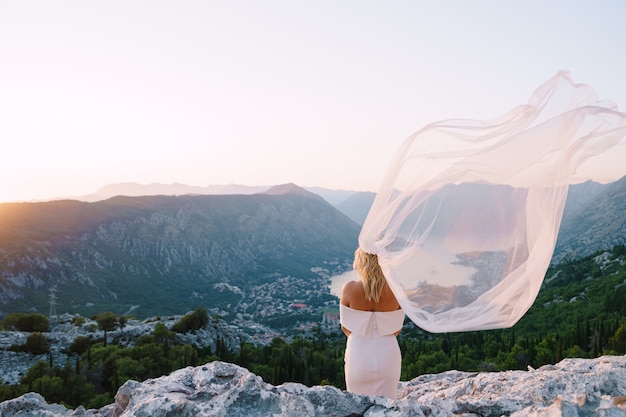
(466, 219)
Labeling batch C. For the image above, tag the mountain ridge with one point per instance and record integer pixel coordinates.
(134, 189)
(183, 245)
(594, 219)
(284, 230)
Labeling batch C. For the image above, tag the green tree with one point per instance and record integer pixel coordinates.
(99, 400)
(36, 343)
(575, 352)
(51, 387)
(129, 368)
(161, 333)
(191, 321)
(39, 369)
(8, 392)
(619, 339)
(122, 321)
(80, 345)
(23, 322)
(546, 351)
(106, 322)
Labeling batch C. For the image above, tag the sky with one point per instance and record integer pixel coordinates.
(263, 92)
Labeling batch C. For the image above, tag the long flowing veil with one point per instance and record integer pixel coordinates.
(467, 216)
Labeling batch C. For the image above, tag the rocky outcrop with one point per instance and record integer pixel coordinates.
(573, 387)
(15, 364)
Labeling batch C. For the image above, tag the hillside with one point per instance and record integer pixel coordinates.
(236, 253)
(165, 254)
(579, 314)
(594, 219)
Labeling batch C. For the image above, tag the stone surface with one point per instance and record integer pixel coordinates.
(13, 365)
(573, 387)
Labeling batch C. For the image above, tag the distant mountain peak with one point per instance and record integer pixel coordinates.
(289, 188)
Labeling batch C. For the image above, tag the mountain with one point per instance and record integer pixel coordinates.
(132, 189)
(579, 196)
(573, 387)
(165, 254)
(357, 206)
(594, 219)
(291, 188)
(334, 197)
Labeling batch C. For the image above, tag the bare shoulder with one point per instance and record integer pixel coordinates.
(348, 292)
(351, 285)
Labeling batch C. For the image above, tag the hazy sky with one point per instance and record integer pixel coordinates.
(258, 92)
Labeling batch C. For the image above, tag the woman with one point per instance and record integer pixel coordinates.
(371, 318)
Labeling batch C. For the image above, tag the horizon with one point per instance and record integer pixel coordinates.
(99, 195)
(248, 93)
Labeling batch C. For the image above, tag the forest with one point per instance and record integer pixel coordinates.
(579, 313)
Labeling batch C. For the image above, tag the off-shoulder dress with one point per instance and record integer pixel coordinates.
(372, 358)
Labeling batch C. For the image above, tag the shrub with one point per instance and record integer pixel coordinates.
(191, 321)
(26, 322)
(36, 343)
(80, 345)
(78, 321)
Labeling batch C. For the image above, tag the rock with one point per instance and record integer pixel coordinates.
(221, 388)
(13, 365)
(573, 387)
(34, 405)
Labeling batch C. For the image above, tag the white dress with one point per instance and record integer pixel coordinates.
(372, 358)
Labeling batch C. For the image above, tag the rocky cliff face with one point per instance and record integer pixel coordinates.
(594, 219)
(573, 387)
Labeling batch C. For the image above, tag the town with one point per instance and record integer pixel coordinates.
(286, 307)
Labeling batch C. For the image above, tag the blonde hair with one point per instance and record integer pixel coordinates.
(366, 265)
